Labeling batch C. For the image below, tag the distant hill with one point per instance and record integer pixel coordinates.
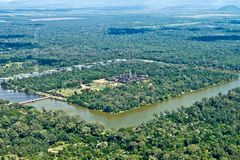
(230, 8)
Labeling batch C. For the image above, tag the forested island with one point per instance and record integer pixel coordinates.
(164, 82)
(207, 130)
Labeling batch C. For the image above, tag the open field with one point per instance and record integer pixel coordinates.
(96, 85)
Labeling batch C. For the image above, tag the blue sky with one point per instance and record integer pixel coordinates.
(103, 3)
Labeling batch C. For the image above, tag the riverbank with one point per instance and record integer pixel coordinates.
(150, 104)
(139, 114)
(167, 97)
(173, 90)
(178, 96)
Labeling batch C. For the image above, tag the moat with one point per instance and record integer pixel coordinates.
(125, 119)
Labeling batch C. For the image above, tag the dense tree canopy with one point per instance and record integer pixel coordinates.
(189, 52)
(51, 44)
(207, 130)
(165, 81)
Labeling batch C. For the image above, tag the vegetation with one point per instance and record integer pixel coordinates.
(17, 68)
(216, 38)
(210, 129)
(54, 44)
(207, 130)
(17, 45)
(165, 81)
(12, 36)
(123, 31)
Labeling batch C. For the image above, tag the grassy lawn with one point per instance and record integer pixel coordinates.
(96, 85)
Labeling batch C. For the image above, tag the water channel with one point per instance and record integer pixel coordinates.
(15, 96)
(138, 115)
(129, 118)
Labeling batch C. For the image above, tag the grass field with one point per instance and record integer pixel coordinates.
(96, 85)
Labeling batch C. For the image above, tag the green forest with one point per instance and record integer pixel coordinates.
(210, 129)
(71, 59)
(166, 81)
(53, 44)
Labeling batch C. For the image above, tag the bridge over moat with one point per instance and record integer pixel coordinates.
(35, 100)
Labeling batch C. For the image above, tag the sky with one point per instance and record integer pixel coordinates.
(107, 3)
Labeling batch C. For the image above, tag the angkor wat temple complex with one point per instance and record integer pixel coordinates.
(127, 78)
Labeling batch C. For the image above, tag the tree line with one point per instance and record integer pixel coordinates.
(209, 129)
(165, 81)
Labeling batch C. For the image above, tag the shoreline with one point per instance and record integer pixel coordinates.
(178, 96)
(58, 98)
